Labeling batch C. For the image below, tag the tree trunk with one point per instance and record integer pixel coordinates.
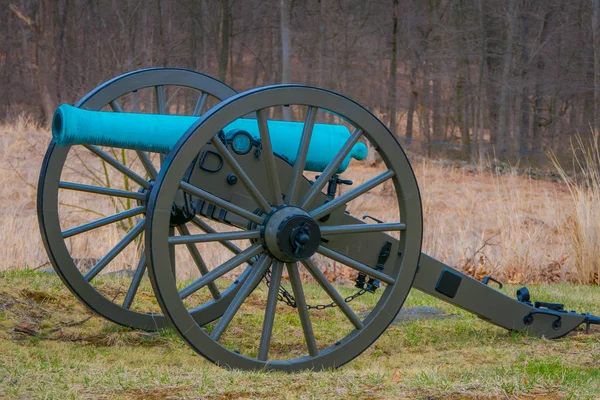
(62, 60)
(393, 70)
(436, 105)
(426, 108)
(522, 134)
(596, 43)
(536, 137)
(5, 93)
(322, 43)
(286, 49)
(479, 123)
(224, 37)
(416, 61)
(462, 111)
(45, 60)
(411, 102)
(204, 10)
(506, 66)
(461, 107)
(436, 84)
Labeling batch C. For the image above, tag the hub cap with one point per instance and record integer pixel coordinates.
(291, 234)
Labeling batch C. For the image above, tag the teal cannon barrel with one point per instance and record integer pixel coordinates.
(160, 133)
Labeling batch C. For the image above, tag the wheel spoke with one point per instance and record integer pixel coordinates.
(131, 235)
(332, 205)
(115, 106)
(309, 123)
(267, 152)
(333, 294)
(199, 261)
(243, 177)
(331, 168)
(204, 195)
(147, 163)
(200, 104)
(135, 282)
(361, 228)
(101, 190)
(214, 237)
(142, 155)
(225, 243)
(118, 166)
(103, 221)
(221, 270)
(160, 108)
(248, 286)
(356, 265)
(267, 330)
(298, 291)
(160, 99)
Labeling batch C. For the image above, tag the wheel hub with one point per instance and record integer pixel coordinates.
(291, 234)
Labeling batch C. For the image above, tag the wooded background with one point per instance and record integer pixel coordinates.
(512, 77)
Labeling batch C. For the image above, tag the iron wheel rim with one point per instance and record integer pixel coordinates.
(166, 185)
(48, 187)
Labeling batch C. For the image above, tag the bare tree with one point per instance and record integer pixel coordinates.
(596, 44)
(501, 133)
(286, 48)
(393, 69)
(224, 38)
(42, 27)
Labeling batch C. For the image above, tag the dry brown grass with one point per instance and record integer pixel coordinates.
(507, 226)
(510, 226)
(582, 228)
(22, 145)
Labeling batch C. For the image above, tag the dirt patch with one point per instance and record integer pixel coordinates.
(24, 308)
(24, 331)
(38, 297)
(234, 394)
(153, 394)
(422, 312)
(533, 395)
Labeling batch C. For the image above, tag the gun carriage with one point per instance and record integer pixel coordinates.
(236, 168)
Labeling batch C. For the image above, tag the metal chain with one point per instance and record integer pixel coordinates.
(286, 297)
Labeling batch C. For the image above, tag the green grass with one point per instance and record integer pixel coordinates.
(463, 357)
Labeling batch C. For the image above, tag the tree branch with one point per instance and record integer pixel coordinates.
(22, 16)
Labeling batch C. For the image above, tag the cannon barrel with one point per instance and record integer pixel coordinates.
(159, 133)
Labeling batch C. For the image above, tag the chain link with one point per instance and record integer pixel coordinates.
(287, 298)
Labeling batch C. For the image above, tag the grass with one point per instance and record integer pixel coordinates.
(50, 348)
(583, 227)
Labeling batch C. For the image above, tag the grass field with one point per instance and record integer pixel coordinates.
(52, 348)
(516, 228)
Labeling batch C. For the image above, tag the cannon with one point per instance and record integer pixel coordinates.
(243, 181)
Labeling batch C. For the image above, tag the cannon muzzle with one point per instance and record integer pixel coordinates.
(159, 133)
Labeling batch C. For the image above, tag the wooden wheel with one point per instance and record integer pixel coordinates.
(291, 225)
(90, 176)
